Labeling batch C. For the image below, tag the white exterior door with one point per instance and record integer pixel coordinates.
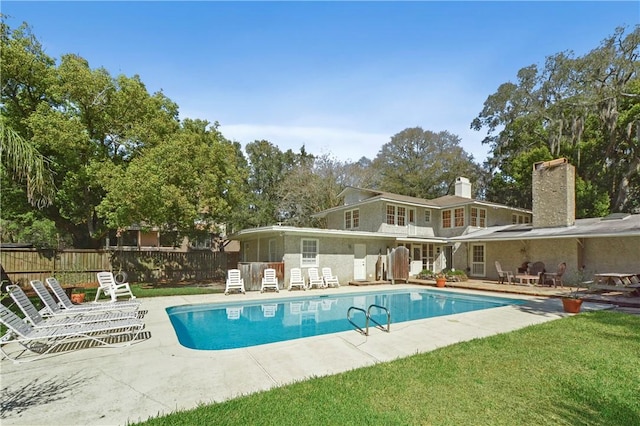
(359, 262)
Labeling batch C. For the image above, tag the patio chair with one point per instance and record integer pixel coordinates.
(43, 340)
(315, 279)
(33, 316)
(502, 274)
(296, 279)
(537, 269)
(554, 278)
(66, 304)
(110, 288)
(234, 281)
(269, 281)
(330, 280)
(65, 307)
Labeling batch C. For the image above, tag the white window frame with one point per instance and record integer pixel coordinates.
(394, 217)
(480, 221)
(309, 259)
(450, 212)
(427, 216)
(455, 218)
(519, 218)
(352, 219)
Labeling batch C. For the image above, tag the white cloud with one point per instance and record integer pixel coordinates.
(344, 144)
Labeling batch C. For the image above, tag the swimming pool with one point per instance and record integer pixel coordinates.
(241, 324)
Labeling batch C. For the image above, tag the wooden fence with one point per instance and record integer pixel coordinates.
(73, 266)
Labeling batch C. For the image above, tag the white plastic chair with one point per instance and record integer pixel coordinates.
(269, 281)
(330, 280)
(503, 274)
(315, 279)
(110, 288)
(234, 281)
(296, 279)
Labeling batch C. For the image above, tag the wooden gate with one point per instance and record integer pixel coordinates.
(398, 264)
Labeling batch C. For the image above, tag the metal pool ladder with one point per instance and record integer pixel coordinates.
(367, 315)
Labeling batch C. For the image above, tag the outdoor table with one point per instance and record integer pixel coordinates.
(526, 279)
(614, 281)
(609, 278)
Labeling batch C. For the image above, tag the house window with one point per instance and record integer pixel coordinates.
(391, 214)
(520, 218)
(427, 216)
(309, 250)
(478, 217)
(446, 219)
(351, 219)
(401, 216)
(459, 216)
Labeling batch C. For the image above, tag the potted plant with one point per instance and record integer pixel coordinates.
(441, 279)
(78, 295)
(572, 302)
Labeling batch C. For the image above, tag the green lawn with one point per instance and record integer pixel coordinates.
(579, 370)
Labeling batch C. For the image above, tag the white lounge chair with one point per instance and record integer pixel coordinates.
(315, 279)
(65, 307)
(503, 274)
(330, 280)
(296, 279)
(43, 340)
(66, 303)
(110, 288)
(31, 313)
(234, 281)
(269, 280)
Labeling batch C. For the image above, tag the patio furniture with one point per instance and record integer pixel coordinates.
(537, 269)
(43, 340)
(554, 278)
(110, 288)
(269, 281)
(66, 305)
(315, 279)
(615, 281)
(502, 274)
(234, 282)
(526, 279)
(296, 279)
(31, 313)
(330, 280)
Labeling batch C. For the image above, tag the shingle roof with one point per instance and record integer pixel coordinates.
(615, 225)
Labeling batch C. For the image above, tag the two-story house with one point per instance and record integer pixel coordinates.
(368, 223)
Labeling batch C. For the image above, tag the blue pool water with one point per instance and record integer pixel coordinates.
(238, 325)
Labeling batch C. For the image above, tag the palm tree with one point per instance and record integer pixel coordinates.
(23, 161)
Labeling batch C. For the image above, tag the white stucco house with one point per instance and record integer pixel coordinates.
(453, 231)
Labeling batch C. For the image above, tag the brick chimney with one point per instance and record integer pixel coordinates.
(463, 187)
(554, 193)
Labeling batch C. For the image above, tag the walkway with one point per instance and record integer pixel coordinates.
(107, 386)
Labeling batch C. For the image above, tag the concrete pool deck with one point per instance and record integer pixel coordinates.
(155, 376)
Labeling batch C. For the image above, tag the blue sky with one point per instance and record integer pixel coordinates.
(340, 78)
